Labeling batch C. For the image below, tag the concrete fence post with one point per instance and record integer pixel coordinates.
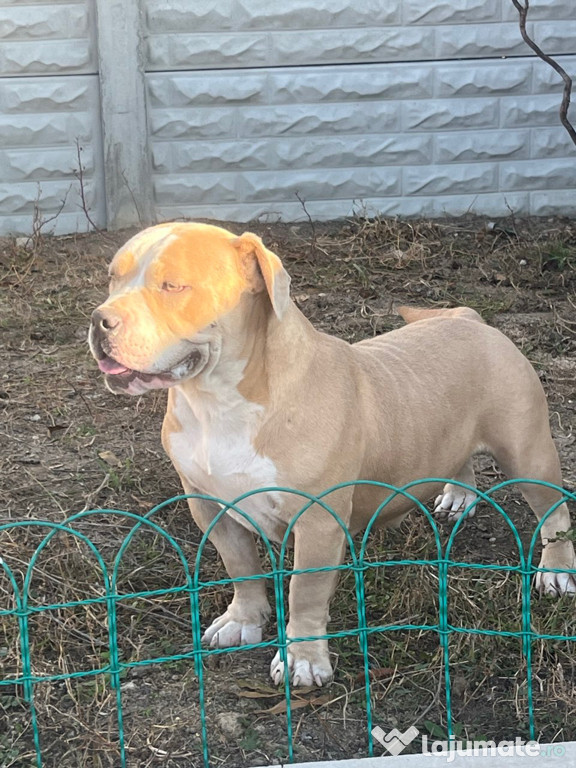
(127, 163)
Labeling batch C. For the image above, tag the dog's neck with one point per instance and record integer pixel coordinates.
(258, 353)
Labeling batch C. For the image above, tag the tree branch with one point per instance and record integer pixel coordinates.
(564, 106)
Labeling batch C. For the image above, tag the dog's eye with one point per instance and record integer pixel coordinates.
(173, 287)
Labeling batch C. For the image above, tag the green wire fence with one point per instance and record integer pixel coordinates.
(23, 607)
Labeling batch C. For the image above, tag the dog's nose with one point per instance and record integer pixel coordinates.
(105, 321)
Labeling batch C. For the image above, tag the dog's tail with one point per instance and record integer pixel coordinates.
(413, 314)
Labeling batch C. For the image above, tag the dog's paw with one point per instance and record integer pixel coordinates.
(452, 502)
(557, 554)
(226, 631)
(307, 666)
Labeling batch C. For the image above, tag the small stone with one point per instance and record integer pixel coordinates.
(229, 724)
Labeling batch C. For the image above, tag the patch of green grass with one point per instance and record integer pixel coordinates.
(558, 256)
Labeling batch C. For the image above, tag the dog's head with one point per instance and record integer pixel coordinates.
(171, 287)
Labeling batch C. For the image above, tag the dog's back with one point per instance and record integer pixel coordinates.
(415, 314)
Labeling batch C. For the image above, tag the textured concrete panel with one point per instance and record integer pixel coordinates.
(479, 78)
(450, 11)
(482, 145)
(551, 142)
(183, 89)
(197, 188)
(258, 49)
(47, 94)
(556, 38)
(303, 119)
(359, 83)
(450, 179)
(253, 187)
(472, 42)
(349, 151)
(535, 174)
(46, 38)
(44, 130)
(191, 123)
(550, 203)
(543, 9)
(208, 156)
(32, 165)
(285, 154)
(41, 121)
(348, 183)
(352, 45)
(546, 79)
(229, 15)
(48, 196)
(178, 51)
(41, 22)
(41, 57)
(529, 111)
(448, 114)
(187, 47)
(184, 16)
(492, 204)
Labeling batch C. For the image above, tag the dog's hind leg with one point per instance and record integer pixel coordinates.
(455, 499)
(535, 457)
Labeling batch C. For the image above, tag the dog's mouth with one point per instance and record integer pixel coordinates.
(123, 380)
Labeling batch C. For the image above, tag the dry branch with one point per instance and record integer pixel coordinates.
(564, 106)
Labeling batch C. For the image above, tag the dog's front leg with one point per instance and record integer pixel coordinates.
(319, 541)
(249, 610)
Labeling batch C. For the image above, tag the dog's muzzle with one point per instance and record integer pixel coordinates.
(123, 380)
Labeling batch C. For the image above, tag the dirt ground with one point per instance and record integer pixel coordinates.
(67, 444)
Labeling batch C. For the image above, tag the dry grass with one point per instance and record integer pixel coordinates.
(67, 445)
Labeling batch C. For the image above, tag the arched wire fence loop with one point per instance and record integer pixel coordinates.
(23, 611)
(277, 573)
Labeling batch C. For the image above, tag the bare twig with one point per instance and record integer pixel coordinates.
(564, 106)
(39, 222)
(79, 173)
(310, 220)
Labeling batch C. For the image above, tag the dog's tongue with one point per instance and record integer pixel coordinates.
(111, 366)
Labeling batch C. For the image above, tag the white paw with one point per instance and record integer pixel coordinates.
(451, 504)
(226, 631)
(558, 554)
(305, 669)
(555, 584)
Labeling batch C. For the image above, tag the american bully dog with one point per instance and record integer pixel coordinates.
(258, 398)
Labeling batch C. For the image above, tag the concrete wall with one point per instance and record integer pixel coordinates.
(49, 102)
(406, 107)
(231, 108)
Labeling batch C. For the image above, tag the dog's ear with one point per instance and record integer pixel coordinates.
(264, 271)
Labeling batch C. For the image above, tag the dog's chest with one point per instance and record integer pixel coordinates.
(214, 451)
